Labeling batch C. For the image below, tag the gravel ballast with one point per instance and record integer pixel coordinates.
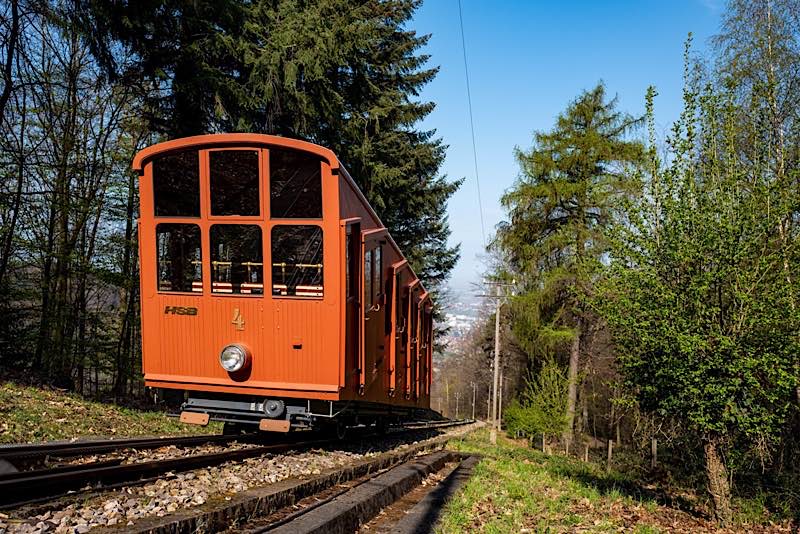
(194, 488)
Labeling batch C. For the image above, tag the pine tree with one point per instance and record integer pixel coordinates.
(571, 183)
(342, 74)
(352, 85)
(181, 56)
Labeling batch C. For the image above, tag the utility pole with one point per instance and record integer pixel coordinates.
(447, 392)
(495, 423)
(498, 302)
(488, 400)
(474, 393)
(500, 401)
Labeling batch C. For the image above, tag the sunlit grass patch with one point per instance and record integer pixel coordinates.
(29, 414)
(519, 489)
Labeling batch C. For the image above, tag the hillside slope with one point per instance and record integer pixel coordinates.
(29, 414)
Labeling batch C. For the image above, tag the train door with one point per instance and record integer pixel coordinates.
(429, 352)
(422, 346)
(414, 345)
(352, 302)
(230, 268)
(388, 332)
(373, 310)
(397, 328)
(425, 353)
(405, 339)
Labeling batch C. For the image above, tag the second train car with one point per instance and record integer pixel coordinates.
(270, 290)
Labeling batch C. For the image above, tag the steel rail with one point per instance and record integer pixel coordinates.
(44, 483)
(34, 486)
(65, 449)
(15, 475)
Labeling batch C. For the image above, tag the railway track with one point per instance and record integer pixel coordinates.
(26, 487)
(21, 454)
(349, 506)
(401, 491)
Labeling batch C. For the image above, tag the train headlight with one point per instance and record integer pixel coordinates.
(233, 358)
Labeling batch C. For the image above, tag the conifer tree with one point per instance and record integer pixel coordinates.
(570, 185)
(344, 74)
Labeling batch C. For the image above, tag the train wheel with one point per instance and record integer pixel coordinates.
(382, 426)
(341, 430)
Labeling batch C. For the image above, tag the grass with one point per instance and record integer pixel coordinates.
(29, 414)
(519, 489)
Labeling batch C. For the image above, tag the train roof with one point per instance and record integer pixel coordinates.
(232, 139)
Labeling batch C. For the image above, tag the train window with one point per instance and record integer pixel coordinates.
(234, 182)
(348, 257)
(178, 257)
(414, 319)
(347, 264)
(387, 316)
(237, 264)
(297, 260)
(295, 180)
(368, 279)
(377, 273)
(176, 184)
(398, 312)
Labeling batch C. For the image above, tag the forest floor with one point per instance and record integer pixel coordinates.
(30, 414)
(518, 489)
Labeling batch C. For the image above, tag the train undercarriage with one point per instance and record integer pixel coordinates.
(241, 413)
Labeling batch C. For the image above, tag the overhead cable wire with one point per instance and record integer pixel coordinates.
(471, 121)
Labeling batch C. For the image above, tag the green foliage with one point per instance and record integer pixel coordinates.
(701, 291)
(515, 488)
(570, 185)
(543, 404)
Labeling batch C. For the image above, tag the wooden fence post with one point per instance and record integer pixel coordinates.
(586, 452)
(544, 443)
(610, 448)
(653, 452)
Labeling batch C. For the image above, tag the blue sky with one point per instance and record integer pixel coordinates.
(527, 61)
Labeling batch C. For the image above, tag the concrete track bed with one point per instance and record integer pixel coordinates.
(243, 508)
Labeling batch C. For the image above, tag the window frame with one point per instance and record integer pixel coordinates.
(264, 220)
(200, 187)
(173, 221)
(263, 185)
(268, 189)
(368, 263)
(271, 225)
(377, 273)
(211, 291)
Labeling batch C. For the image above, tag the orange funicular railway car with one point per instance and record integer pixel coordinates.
(270, 290)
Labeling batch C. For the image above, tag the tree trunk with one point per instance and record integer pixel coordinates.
(572, 391)
(612, 419)
(584, 426)
(5, 255)
(124, 371)
(42, 352)
(8, 65)
(718, 485)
